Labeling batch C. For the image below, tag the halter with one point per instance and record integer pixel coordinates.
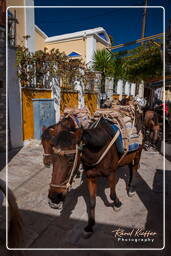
(67, 183)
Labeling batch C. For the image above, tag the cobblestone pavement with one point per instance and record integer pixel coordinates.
(48, 228)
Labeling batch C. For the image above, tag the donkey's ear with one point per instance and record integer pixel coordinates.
(78, 134)
(52, 131)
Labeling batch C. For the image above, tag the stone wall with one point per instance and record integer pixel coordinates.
(2, 90)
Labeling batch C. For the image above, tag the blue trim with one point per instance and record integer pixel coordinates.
(74, 54)
(133, 147)
(119, 141)
(10, 14)
(103, 36)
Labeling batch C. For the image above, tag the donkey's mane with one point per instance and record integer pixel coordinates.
(64, 139)
(46, 134)
(93, 138)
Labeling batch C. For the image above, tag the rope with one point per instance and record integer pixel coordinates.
(122, 156)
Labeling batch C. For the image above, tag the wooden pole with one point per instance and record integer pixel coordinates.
(144, 20)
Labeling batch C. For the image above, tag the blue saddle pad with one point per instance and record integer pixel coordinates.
(119, 142)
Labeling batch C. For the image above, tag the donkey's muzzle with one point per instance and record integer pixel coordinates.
(58, 206)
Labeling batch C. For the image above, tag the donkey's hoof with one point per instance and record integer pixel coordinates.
(117, 209)
(117, 206)
(131, 191)
(86, 234)
(131, 194)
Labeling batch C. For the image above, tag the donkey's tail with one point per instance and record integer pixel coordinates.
(15, 221)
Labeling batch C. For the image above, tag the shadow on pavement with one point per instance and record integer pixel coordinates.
(11, 154)
(50, 231)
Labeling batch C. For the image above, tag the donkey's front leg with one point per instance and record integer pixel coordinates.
(112, 184)
(88, 231)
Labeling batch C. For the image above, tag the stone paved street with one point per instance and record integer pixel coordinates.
(48, 228)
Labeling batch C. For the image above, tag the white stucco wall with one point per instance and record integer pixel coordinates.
(79, 87)
(133, 87)
(127, 88)
(56, 92)
(109, 87)
(120, 85)
(90, 49)
(14, 102)
(141, 90)
(97, 84)
(29, 25)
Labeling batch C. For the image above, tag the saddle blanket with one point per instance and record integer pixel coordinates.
(119, 142)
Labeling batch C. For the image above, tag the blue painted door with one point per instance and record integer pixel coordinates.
(44, 115)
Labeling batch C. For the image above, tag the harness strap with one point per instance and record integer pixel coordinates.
(122, 156)
(75, 120)
(63, 152)
(108, 147)
(97, 122)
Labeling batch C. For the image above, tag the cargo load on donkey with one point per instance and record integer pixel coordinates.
(81, 117)
(126, 119)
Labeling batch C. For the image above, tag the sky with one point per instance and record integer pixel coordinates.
(124, 24)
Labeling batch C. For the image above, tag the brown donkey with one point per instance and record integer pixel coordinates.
(151, 123)
(92, 144)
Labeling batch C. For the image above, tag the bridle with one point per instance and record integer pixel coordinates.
(67, 183)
